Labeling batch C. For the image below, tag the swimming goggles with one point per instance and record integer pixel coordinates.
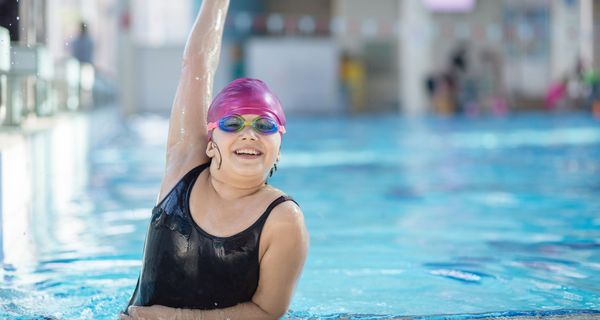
(235, 123)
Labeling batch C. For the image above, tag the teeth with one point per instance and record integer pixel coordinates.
(247, 151)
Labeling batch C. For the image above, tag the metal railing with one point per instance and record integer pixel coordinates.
(32, 84)
(4, 68)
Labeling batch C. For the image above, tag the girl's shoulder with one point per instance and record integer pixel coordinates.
(287, 211)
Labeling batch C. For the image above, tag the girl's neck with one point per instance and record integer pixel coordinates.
(228, 189)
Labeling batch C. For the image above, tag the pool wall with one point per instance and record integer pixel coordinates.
(1, 233)
(42, 165)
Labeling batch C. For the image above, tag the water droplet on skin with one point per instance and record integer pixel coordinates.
(197, 78)
(18, 18)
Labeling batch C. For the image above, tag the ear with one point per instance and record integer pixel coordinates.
(210, 149)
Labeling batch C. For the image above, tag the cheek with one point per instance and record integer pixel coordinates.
(222, 140)
(274, 144)
(274, 150)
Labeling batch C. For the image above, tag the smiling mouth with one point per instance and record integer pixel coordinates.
(248, 153)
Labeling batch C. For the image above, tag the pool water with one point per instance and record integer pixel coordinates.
(407, 217)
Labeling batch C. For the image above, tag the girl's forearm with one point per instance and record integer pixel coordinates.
(204, 42)
(247, 310)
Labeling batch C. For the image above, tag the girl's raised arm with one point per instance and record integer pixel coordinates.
(187, 138)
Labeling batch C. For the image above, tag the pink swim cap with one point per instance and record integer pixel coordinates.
(246, 96)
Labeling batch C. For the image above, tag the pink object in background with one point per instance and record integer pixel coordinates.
(555, 93)
(450, 5)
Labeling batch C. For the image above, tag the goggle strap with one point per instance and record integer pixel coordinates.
(212, 126)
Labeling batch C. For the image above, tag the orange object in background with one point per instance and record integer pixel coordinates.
(596, 109)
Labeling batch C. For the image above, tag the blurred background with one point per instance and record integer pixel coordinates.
(446, 153)
(416, 57)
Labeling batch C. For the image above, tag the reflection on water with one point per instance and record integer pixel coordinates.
(16, 194)
(60, 257)
(42, 173)
(407, 217)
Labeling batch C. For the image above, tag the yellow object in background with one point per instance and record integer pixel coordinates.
(352, 74)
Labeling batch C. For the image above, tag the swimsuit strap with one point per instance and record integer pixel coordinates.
(198, 168)
(279, 200)
(188, 179)
(273, 204)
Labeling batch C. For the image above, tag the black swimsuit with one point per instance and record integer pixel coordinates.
(185, 267)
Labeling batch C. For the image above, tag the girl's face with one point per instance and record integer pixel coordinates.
(245, 153)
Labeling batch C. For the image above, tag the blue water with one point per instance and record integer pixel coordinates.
(407, 217)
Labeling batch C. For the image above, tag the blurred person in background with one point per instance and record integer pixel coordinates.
(591, 82)
(352, 78)
(465, 91)
(492, 83)
(237, 57)
(222, 243)
(452, 90)
(444, 94)
(82, 48)
(576, 86)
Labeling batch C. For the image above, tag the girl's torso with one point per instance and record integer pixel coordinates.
(188, 266)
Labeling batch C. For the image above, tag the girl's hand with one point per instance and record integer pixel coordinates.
(123, 316)
(155, 312)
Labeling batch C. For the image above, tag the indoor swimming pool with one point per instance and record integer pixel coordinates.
(407, 217)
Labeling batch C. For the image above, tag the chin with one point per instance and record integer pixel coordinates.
(250, 171)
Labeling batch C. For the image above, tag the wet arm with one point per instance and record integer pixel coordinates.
(187, 127)
(247, 310)
(187, 140)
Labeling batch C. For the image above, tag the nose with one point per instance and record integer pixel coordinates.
(248, 133)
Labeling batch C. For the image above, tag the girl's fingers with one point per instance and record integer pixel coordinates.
(123, 316)
(134, 312)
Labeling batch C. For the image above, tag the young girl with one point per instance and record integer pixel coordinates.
(222, 244)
